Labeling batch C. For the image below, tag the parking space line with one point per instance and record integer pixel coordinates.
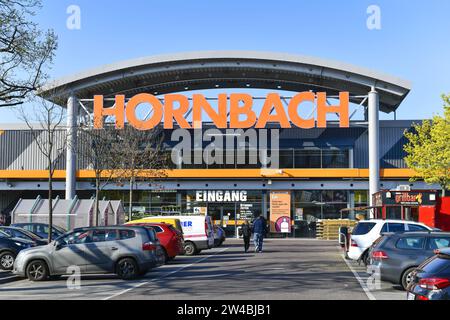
(13, 284)
(8, 278)
(361, 282)
(162, 277)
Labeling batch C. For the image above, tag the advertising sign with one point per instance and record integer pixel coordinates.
(233, 106)
(225, 221)
(280, 212)
(299, 214)
(201, 210)
(246, 211)
(405, 198)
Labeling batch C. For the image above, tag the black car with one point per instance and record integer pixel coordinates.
(9, 248)
(431, 280)
(397, 255)
(20, 233)
(41, 229)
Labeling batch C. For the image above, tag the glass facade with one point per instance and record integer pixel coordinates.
(307, 206)
(312, 205)
(288, 159)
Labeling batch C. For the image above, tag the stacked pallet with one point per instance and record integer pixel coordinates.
(329, 229)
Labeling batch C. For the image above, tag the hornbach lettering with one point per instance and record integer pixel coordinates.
(235, 111)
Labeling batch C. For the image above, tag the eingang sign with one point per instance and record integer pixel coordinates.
(231, 109)
(221, 196)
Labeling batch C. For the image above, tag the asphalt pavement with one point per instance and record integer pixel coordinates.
(287, 269)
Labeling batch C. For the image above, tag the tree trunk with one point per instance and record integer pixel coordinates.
(130, 209)
(50, 201)
(97, 195)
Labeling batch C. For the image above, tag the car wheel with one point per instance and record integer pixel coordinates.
(407, 277)
(190, 249)
(127, 269)
(166, 256)
(7, 260)
(37, 271)
(162, 257)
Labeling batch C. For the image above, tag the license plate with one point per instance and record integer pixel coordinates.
(411, 296)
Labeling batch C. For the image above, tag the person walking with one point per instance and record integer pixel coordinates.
(259, 232)
(246, 234)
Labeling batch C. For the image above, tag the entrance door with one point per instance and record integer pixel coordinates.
(394, 212)
(411, 213)
(224, 214)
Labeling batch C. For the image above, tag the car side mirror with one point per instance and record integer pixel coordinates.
(59, 245)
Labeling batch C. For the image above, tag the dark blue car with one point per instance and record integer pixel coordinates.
(41, 229)
(431, 280)
(9, 248)
(24, 234)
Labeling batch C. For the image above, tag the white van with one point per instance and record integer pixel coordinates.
(198, 233)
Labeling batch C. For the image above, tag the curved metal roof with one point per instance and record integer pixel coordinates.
(229, 69)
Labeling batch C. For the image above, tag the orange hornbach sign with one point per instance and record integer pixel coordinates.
(235, 111)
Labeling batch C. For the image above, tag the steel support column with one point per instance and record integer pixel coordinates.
(374, 145)
(71, 155)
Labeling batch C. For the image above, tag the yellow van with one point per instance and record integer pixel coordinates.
(172, 221)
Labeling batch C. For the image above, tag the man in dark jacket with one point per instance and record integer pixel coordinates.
(259, 231)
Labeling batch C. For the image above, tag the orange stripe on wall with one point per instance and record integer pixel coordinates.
(221, 173)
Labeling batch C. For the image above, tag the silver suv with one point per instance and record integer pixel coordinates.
(126, 251)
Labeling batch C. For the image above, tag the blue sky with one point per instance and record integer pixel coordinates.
(412, 43)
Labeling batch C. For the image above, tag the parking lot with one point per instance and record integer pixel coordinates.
(288, 269)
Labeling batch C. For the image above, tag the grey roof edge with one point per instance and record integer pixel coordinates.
(205, 55)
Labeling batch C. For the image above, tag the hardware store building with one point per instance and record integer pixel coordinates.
(321, 170)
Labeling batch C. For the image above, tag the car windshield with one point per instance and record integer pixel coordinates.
(363, 228)
(30, 234)
(379, 241)
(4, 235)
(59, 230)
(440, 263)
(175, 230)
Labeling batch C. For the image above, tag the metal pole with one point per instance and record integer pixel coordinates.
(374, 147)
(71, 156)
(235, 221)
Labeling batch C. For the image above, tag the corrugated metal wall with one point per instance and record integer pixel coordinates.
(392, 141)
(20, 152)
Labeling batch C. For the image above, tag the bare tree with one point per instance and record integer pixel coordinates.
(25, 51)
(140, 155)
(96, 149)
(44, 120)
